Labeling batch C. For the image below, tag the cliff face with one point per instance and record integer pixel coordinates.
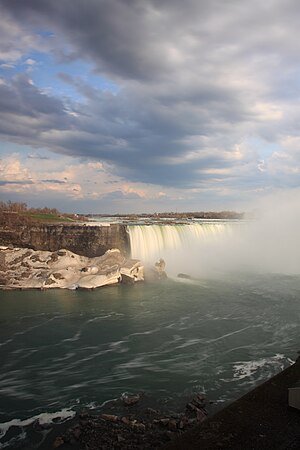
(84, 240)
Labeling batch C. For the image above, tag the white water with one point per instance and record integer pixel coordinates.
(42, 419)
(178, 245)
(268, 245)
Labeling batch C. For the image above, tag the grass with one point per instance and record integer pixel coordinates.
(48, 217)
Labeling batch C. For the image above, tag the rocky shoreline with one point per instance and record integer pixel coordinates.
(128, 423)
(261, 419)
(24, 268)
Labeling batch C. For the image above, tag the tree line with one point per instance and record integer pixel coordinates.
(20, 207)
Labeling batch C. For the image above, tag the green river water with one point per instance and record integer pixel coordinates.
(233, 326)
(61, 351)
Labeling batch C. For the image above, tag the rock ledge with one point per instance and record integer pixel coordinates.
(23, 268)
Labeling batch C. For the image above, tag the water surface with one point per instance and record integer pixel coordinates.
(70, 349)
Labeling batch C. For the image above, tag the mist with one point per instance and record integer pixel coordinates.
(267, 241)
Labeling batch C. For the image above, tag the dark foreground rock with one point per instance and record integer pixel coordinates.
(129, 425)
(260, 420)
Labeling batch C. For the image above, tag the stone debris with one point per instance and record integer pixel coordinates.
(136, 431)
(23, 268)
(130, 400)
(59, 441)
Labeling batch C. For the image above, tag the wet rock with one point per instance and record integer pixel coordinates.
(199, 400)
(130, 400)
(172, 425)
(120, 438)
(201, 416)
(184, 276)
(109, 417)
(192, 407)
(135, 431)
(169, 435)
(192, 421)
(59, 441)
(164, 421)
(183, 423)
(152, 411)
(160, 269)
(139, 426)
(126, 421)
(77, 433)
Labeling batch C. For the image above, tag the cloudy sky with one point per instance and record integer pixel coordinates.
(148, 105)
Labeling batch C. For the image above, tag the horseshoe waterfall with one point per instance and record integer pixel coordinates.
(180, 245)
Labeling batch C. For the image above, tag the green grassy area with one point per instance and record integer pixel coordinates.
(48, 217)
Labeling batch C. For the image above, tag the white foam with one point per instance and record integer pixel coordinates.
(248, 368)
(42, 419)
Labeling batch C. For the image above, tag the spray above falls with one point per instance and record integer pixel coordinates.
(175, 243)
(208, 249)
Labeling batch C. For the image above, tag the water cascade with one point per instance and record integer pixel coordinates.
(268, 244)
(178, 244)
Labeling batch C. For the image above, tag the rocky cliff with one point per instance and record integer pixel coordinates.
(84, 240)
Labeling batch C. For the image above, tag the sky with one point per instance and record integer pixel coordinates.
(122, 106)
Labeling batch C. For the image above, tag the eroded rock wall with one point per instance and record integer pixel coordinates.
(84, 240)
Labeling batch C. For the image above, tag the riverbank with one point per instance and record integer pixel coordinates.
(134, 422)
(259, 420)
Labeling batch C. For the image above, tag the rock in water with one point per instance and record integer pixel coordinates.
(184, 276)
(160, 269)
(132, 271)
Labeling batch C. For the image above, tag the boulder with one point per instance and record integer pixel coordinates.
(160, 268)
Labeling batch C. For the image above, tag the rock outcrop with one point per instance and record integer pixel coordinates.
(160, 269)
(24, 268)
(78, 238)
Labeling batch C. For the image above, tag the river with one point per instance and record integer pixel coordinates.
(62, 351)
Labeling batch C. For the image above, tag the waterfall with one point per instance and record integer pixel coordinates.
(176, 244)
(267, 244)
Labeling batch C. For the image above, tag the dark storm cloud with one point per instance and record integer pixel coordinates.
(21, 97)
(195, 78)
(131, 39)
(26, 112)
(108, 32)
